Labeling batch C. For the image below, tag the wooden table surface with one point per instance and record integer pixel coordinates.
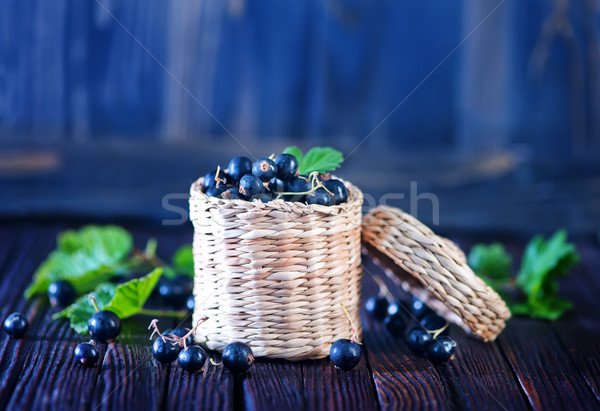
(533, 364)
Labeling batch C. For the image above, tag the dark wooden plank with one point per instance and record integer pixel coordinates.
(50, 378)
(327, 388)
(129, 375)
(273, 384)
(402, 380)
(29, 248)
(210, 389)
(544, 369)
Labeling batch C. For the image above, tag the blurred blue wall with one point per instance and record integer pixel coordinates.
(75, 70)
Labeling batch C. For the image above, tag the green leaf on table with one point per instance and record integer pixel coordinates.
(125, 300)
(544, 262)
(491, 263)
(183, 260)
(321, 159)
(85, 258)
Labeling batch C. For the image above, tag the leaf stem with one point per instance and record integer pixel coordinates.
(162, 313)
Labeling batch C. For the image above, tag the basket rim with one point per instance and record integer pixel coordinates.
(355, 199)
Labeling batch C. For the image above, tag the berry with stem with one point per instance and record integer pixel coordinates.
(16, 325)
(441, 349)
(237, 357)
(61, 293)
(344, 353)
(87, 354)
(192, 358)
(434, 322)
(319, 196)
(339, 190)
(164, 350)
(183, 333)
(104, 325)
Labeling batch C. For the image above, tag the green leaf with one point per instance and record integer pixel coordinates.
(183, 260)
(85, 258)
(321, 159)
(131, 296)
(295, 151)
(544, 262)
(82, 309)
(490, 261)
(125, 300)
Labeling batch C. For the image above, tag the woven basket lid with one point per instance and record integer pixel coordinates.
(434, 269)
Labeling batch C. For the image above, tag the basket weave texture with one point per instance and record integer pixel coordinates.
(436, 268)
(273, 275)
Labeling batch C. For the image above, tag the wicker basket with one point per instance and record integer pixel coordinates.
(273, 274)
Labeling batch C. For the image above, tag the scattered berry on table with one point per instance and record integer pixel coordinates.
(104, 326)
(16, 325)
(434, 322)
(264, 168)
(164, 351)
(418, 339)
(86, 354)
(192, 359)
(239, 167)
(190, 303)
(377, 307)
(61, 293)
(174, 291)
(441, 349)
(180, 332)
(419, 309)
(250, 185)
(287, 166)
(237, 357)
(395, 324)
(345, 354)
(319, 196)
(339, 190)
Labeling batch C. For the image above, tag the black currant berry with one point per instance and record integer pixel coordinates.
(395, 324)
(441, 349)
(418, 339)
(345, 354)
(232, 193)
(164, 351)
(180, 332)
(209, 179)
(239, 167)
(237, 357)
(61, 293)
(86, 354)
(190, 303)
(250, 185)
(192, 359)
(297, 185)
(174, 291)
(377, 307)
(16, 325)
(339, 190)
(397, 307)
(277, 186)
(104, 326)
(287, 166)
(215, 191)
(264, 168)
(434, 322)
(319, 196)
(419, 309)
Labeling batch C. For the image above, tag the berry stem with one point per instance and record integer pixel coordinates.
(219, 179)
(437, 332)
(200, 321)
(94, 302)
(354, 335)
(215, 363)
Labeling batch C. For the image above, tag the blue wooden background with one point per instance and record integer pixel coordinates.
(69, 71)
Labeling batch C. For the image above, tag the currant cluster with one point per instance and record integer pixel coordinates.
(103, 326)
(179, 344)
(271, 178)
(429, 338)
